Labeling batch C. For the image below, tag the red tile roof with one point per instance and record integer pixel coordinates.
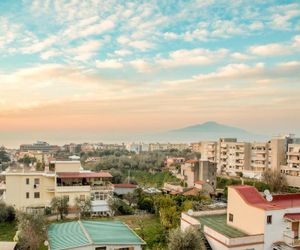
(191, 161)
(200, 182)
(83, 175)
(292, 216)
(125, 185)
(252, 197)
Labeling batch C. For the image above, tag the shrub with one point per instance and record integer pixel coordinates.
(7, 213)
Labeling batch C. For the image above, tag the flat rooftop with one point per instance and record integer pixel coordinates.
(218, 223)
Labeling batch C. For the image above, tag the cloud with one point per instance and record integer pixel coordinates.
(109, 64)
(86, 50)
(123, 52)
(277, 49)
(141, 65)
(141, 45)
(40, 45)
(197, 56)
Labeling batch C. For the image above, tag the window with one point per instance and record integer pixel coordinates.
(36, 181)
(231, 217)
(27, 181)
(100, 248)
(269, 219)
(27, 195)
(36, 195)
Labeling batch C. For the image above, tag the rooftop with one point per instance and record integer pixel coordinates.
(219, 224)
(83, 233)
(280, 201)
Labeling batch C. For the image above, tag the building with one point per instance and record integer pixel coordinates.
(234, 157)
(28, 189)
(39, 146)
(173, 161)
(193, 171)
(124, 188)
(207, 149)
(168, 146)
(251, 221)
(93, 235)
(292, 169)
(137, 147)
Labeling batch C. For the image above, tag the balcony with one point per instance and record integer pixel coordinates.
(66, 189)
(293, 153)
(102, 188)
(50, 189)
(291, 238)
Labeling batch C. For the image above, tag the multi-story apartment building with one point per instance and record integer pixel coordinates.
(199, 170)
(137, 147)
(234, 157)
(208, 150)
(292, 168)
(28, 189)
(39, 146)
(167, 146)
(251, 221)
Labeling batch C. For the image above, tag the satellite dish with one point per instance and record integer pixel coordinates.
(267, 192)
(269, 197)
(190, 212)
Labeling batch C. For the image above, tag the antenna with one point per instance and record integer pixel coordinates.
(269, 197)
(190, 212)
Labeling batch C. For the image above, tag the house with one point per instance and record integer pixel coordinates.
(251, 221)
(199, 170)
(27, 189)
(93, 235)
(124, 188)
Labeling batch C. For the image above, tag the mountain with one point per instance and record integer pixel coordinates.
(209, 127)
(206, 131)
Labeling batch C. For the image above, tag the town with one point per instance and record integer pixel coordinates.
(149, 125)
(140, 193)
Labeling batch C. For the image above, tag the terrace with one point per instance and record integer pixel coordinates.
(218, 223)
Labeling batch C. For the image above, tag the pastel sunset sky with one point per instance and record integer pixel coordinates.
(144, 66)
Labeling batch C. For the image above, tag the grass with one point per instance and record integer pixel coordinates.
(7, 231)
(218, 223)
(154, 180)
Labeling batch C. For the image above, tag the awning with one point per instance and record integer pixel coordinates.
(292, 216)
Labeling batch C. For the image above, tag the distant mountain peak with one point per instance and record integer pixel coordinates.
(210, 127)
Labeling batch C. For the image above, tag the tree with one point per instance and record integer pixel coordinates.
(119, 207)
(7, 213)
(189, 239)
(132, 198)
(60, 205)
(83, 206)
(169, 217)
(275, 180)
(32, 231)
(4, 157)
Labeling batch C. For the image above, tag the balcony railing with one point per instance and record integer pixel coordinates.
(73, 189)
(291, 238)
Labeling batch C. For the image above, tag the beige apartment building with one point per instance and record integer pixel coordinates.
(234, 157)
(28, 189)
(292, 168)
(168, 146)
(251, 221)
(208, 150)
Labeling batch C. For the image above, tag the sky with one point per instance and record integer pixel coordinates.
(92, 66)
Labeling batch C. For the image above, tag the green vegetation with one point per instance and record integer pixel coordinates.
(218, 223)
(153, 179)
(189, 239)
(8, 230)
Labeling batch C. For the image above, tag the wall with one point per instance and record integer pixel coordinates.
(67, 166)
(243, 214)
